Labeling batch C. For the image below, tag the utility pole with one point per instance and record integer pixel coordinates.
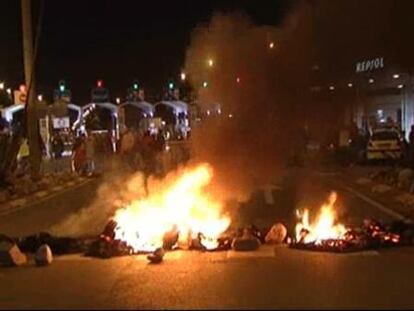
(32, 126)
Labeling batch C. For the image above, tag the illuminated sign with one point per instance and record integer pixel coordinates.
(370, 65)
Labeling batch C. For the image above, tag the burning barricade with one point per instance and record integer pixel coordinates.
(325, 234)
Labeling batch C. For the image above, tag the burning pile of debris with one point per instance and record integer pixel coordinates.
(327, 236)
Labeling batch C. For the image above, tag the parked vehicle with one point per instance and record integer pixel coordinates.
(384, 143)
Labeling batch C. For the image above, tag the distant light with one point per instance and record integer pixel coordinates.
(183, 76)
(62, 87)
(210, 62)
(205, 84)
(331, 88)
(1, 85)
(230, 116)
(135, 86)
(400, 86)
(171, 85)
(371, 80)
(9, 91)
(219, 111)
(118, 100)
(350, 84)
(271, 45)
(395, 75)
(238, 80)
(208, 112)
(380, 112)
(40, 97)
(22, 88)
(99, 83)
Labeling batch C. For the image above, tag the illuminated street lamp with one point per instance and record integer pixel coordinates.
(171, 85)
(9, 91)
(210, 62)
(40, 97)
(331, 88)
(205, 84)
(1, 85)
(350, 84)
(400, 86)
(118, 100)
(183, 76)
(371, 80)
(238, 80)
(395, 76)
(271, 45)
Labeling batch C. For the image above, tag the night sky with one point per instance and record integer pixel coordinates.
(116, 41)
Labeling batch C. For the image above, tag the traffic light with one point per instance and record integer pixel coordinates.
(62, 86)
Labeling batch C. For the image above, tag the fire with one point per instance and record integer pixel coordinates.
(325, 226)
(182, 204)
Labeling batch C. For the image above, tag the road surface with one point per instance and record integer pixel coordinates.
(272, 277)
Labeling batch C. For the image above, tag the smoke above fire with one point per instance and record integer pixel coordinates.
(235, 65)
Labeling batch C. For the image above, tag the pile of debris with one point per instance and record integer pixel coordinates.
(371, 235)
(244, 239)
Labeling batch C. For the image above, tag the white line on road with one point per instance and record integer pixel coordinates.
(376, 204)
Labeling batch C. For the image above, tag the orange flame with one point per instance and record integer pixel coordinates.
(182, 204)
(323, 228)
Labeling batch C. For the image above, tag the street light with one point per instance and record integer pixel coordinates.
(371, 80)
(395, 76)
(9, 91)
(350, 84)
(40, 97)
(205, 84)
(331, 88)
(271, 45)
(210, 62)
(118, 100)
(238, 80)
(171, 85)
(183, 76)
(1, 85)
(400, 86)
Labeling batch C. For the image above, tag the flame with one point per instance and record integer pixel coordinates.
(323, 228)
(181, 204)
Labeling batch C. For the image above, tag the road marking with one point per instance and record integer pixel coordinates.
(376, 204)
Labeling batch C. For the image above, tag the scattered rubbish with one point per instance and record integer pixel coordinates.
(10, 254)
(277, 234)
(44, 256)
(157, 256)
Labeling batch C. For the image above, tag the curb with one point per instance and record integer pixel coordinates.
(41, 196)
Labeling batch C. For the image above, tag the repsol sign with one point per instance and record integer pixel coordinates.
(370, 65)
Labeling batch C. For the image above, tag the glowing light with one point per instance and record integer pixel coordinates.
(323, 228)
(271, 45)
(208, 112)
(210, 62)
(118, 100)
(238, 80)
(205, 84)
(40, 97)
(183, 76)
(9, 91)
(395, 76)
(22, 88)
(171, 85)
(400, 86)
(350, 84)
(99, 83)
(371, 80)
(230, 116)
(178, 202)
(1, 85)
(331, 88)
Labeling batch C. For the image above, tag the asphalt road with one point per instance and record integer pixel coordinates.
(272, 277)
